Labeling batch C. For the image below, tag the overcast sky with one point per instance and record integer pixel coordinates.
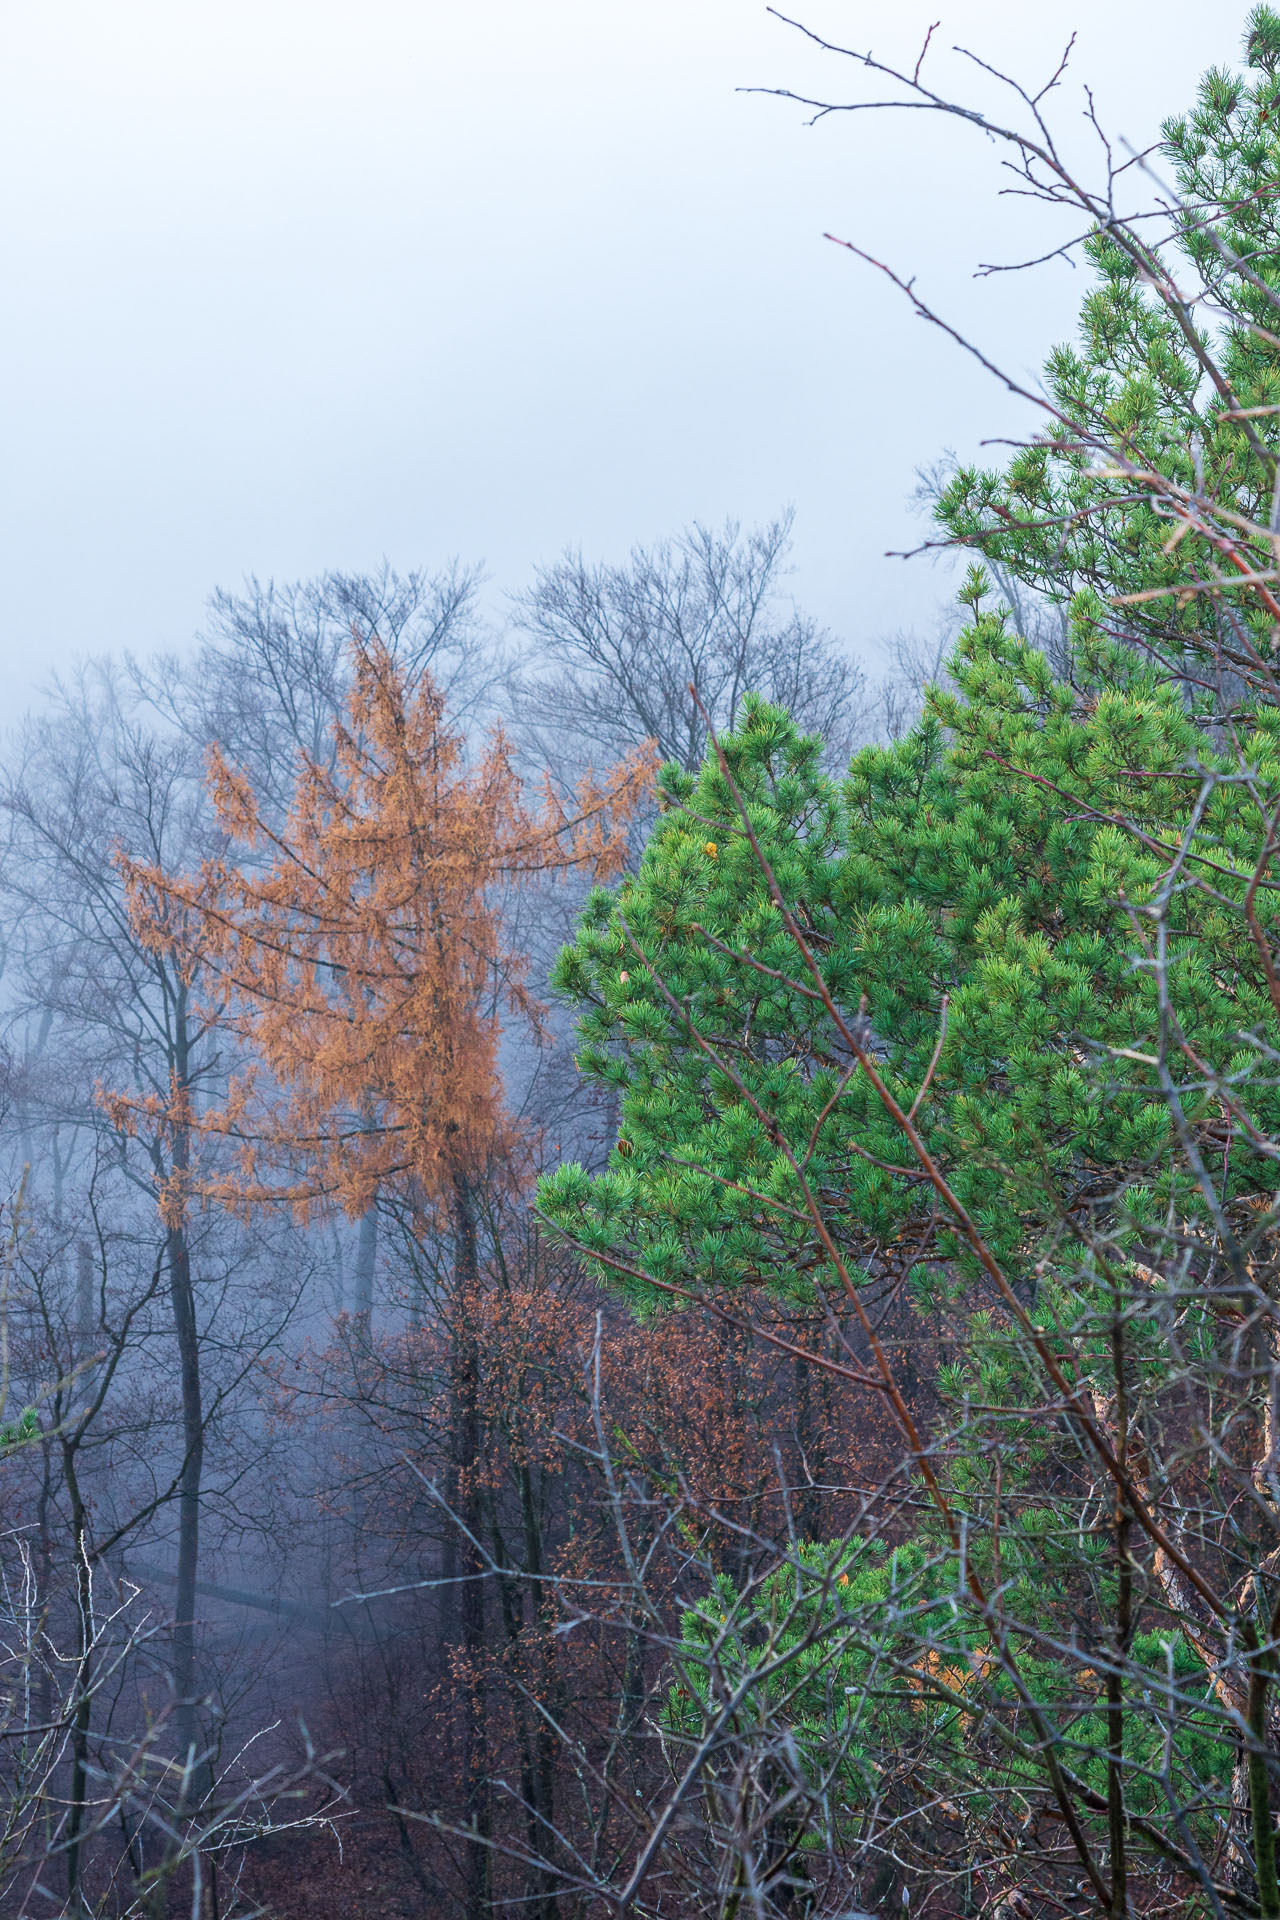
(292, 284)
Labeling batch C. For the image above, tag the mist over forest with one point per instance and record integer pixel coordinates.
(641, 1241)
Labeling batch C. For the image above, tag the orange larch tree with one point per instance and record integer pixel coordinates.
(360, 954)
(359, 949)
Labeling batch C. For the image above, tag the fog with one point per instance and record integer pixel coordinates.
(297, 286)
(375, 375)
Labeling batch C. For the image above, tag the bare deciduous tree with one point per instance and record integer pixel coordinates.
(613, 649)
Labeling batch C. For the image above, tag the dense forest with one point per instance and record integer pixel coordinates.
(642, 1273)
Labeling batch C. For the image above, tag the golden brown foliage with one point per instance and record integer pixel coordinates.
(360, 951)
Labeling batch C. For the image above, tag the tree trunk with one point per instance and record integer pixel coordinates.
(366, 1267)
(544, 1746)
(190, 1481)
(478, 1811)
(83, 1704)
(182, 1296)
(86, 1310)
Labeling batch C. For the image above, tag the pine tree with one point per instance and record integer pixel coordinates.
(978, 882)
(1146, 509)
(998, 1018)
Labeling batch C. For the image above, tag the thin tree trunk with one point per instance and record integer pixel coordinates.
(182, 1296)
(365, 1269)
(191, 1478)
(537, 1742)
(81, 1719)
(511, 1601)
(44, 1582)
(86, 1316)
(478, 1812)
(544, 1774)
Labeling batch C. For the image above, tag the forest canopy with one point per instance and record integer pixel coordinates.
(697, 1341)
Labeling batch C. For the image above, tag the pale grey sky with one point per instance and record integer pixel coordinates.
(292, 284)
